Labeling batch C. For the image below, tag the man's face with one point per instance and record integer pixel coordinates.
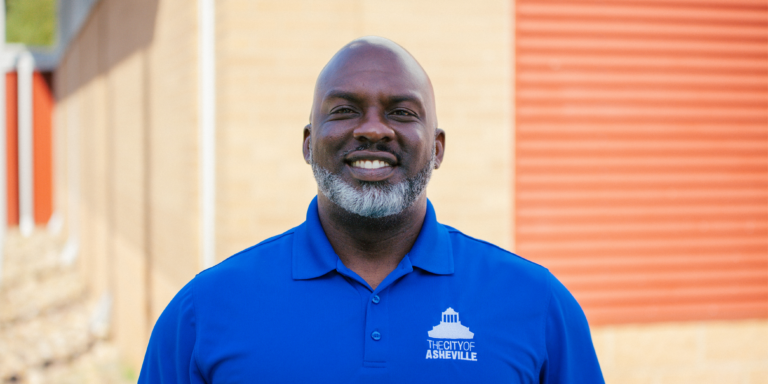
(373, 125)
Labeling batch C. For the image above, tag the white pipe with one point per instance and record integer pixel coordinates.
(3, 163)
(72, 109)
(25, 68)
(207, 130)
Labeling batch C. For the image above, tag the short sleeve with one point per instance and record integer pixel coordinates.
(571, 356)
(169, 358)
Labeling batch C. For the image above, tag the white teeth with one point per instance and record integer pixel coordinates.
(370, 164)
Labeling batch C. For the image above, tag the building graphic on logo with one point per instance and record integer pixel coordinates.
(450, 327)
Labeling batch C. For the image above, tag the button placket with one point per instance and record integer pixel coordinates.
(377, 324)
(376, 352)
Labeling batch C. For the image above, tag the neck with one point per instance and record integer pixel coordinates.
(372, 248)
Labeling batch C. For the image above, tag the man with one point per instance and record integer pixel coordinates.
(371, 288)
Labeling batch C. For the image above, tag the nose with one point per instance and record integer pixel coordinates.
(374, 128)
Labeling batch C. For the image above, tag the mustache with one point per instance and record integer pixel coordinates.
(381, 147)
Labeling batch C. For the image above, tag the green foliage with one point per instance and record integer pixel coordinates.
(129, 374)
(30, 22)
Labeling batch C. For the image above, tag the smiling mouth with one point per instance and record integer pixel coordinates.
(370, 164)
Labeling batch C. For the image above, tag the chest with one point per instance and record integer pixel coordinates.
(337, 332)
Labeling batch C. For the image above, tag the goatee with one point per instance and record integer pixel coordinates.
(375, 199)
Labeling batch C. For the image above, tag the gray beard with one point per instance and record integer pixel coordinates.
(375, 199)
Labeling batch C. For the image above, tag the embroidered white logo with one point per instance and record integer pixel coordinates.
(455, 349)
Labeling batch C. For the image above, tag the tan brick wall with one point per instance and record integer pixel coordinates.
(127, 86)
(173, 149)
(270, 53)
(91, 111)
(733, 352)
(128, 204)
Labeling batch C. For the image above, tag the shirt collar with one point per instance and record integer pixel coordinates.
(313, 255)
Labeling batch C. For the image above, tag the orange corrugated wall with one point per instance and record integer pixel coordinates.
(12, 154)
(642, 154)
(42, 146)
(42, 120)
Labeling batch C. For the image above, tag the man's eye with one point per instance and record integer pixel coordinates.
(344, 111)
(402, 112)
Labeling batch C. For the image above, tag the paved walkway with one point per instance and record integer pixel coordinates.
(47, 328)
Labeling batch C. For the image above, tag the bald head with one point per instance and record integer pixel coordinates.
(373, 139)
(375, 58)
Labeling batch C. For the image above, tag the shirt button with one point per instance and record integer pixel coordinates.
(375, 299)
(376, 335)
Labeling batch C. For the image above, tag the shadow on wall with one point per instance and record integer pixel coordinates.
(129, 23)
(106, 99)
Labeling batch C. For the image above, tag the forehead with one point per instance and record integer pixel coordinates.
(373, 70)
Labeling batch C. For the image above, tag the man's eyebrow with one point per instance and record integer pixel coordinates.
(404, 98)
(351, 96)
(338, 94)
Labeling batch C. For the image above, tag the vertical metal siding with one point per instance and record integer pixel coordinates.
(43, 146)
(642, 154)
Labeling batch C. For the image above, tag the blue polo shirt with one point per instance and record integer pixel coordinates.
(455, 310)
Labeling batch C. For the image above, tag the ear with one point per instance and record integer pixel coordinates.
(307, 142)
(439, 147)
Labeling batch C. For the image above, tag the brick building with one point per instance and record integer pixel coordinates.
(622, 144)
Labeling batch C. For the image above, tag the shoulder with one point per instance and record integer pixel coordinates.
(482, 262)
(470, 250)
(256, 262)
